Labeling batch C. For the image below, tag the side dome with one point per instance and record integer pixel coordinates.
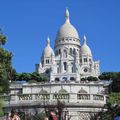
(48, 51)
(85, 50)
(67, 29)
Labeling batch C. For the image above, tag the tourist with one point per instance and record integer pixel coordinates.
(8, 117)
(15, 117)
(53, 116)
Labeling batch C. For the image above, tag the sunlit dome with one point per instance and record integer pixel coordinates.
(48, 51)
(67, 29)
(85, 50)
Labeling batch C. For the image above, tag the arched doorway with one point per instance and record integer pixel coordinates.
(64, 78)
(57, 79)
(72, 79)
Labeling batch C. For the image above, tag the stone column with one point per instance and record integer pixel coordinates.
(68, 68)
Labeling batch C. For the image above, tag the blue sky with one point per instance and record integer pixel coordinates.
(27, 23)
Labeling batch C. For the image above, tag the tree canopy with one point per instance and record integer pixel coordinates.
(29, 76)
(114, 77)
(6, 69)
(90, 78)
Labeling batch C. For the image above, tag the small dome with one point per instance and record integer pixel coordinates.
(67, 29)
(85, 50)
(48, 51)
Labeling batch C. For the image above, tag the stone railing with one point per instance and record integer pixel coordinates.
(67, 98)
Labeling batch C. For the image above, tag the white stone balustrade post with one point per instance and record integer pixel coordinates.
(91, 98)
(51, 97)
(105, 99)
(33, 97)
(72, 97)
(16, 98)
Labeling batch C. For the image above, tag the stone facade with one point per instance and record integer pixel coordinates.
(69, 60)
(64, 66)
(81, 100)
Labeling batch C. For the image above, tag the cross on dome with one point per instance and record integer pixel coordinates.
(48, 41)
(67, 15)
(84, 38)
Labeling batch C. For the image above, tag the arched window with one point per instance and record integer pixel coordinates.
(85, 59)
(47, 61)
(74, 51)
(64, 78)
(47, 71)
(59, 51)
(71, 51)
(65, 53)
(72, 79)
(57, 79)
(72, 68)
(65, 66)
(56, 52)
(90, 60)
(58, 70)
(80, 60)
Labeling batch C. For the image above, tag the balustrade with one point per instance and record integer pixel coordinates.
(60, 96)
(98, 97)
(42, 96)
(83, 96)
(25, 97)
(90, 98)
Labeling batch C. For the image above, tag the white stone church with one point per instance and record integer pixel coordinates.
(69, 60)
(64, 67)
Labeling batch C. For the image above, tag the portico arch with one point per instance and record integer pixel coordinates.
(72, 79)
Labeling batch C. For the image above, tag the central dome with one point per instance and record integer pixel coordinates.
(67, 29)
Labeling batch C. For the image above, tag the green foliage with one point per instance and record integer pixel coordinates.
(113, 107)
(83, 79)
(108, 75)
(90, 78)
(30, 76)
(115, 77)
(31, 81)
(2, 39)
(6, 70)
(1, 106)
(116, 83)
(111, 113)
(114, 98)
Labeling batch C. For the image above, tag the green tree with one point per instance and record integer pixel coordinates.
(108, 75)
(6, 70)
(29, 76)
(116, 83)
(113, 108)
(91, 78)
(5, 65)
